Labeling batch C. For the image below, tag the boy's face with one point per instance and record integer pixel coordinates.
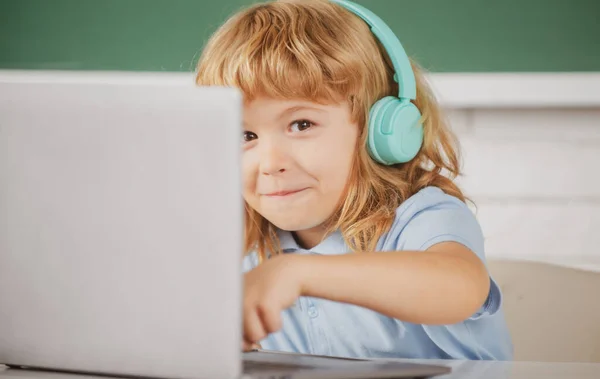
(296, 159)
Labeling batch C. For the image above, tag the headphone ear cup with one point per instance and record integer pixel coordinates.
(395, 131)
(375, 121)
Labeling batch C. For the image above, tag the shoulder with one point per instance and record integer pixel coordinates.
(429, 198)
(431, 216)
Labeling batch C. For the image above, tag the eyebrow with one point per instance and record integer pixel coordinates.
(292, 110)
(299, 108)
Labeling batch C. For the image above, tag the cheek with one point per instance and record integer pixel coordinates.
(333, 165)
(336, 178)
(341, 155)
(249, 169)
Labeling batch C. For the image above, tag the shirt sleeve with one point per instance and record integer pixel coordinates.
(448, 220)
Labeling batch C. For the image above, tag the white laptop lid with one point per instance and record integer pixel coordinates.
(120, 224)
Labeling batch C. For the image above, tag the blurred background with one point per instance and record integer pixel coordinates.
(520, 80)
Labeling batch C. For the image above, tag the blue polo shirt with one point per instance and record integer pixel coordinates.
(323, 327)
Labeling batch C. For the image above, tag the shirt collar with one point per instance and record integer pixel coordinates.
(332, 245)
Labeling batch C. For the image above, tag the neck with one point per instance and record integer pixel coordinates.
(309, 238)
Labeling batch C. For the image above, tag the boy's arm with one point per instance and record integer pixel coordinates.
(445, 284)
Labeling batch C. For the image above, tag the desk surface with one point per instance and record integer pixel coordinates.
(460, 370)
(518, 370)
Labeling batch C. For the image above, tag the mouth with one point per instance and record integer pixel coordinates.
(281, 194)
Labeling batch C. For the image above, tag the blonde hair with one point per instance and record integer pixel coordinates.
(317, 50)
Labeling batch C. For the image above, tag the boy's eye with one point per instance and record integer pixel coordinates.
(300, 125)
(249, 136)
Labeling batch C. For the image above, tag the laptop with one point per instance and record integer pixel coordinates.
(121, 232)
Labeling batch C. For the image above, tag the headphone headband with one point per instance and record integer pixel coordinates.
(404, 75)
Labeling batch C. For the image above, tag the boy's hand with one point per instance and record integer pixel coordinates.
(269, 289)
(249, 346)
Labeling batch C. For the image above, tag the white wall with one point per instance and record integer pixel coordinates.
(531, 161)
(534, 175)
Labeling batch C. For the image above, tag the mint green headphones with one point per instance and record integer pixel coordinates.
(395, 129)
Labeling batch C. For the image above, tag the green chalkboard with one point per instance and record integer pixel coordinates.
(167, 35)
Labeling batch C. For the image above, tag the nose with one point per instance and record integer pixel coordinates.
(273, 159)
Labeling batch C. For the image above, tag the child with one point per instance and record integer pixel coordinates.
(357, 244)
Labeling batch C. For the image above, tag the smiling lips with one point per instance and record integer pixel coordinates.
(282, 194)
